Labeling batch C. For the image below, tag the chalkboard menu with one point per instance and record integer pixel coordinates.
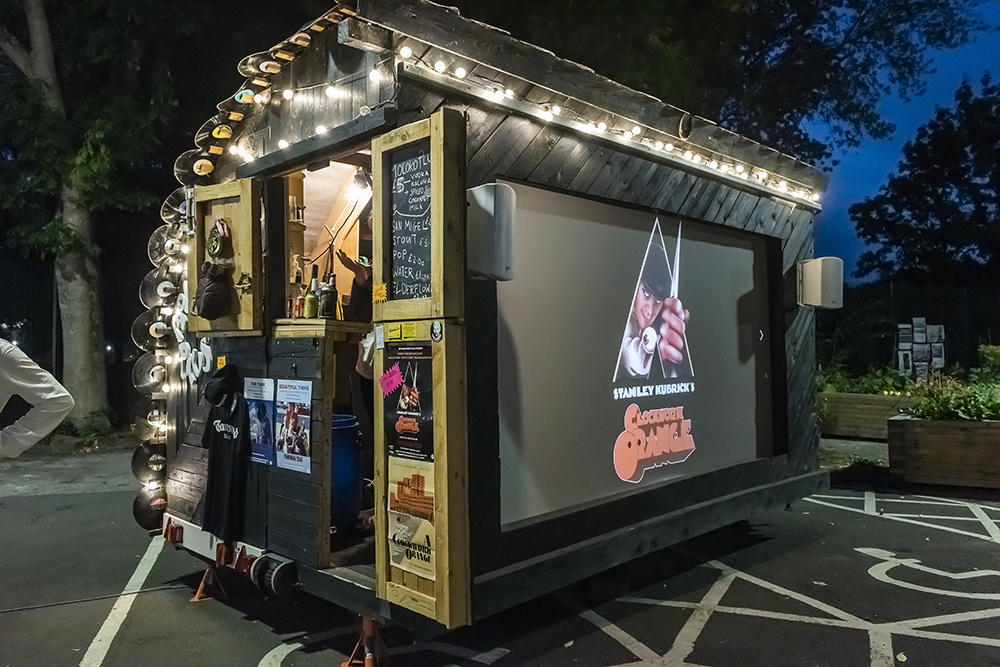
(410, 207)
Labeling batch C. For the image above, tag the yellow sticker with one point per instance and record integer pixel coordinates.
(379, 293)
(393, 332)
(409, 330)
(220, 362)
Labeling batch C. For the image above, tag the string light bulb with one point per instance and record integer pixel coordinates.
(658, 145)
(668, 147)
(234, 149)
(185, 249)
(547, 115)
(282, 143)
(713, 164)
(168, 359)
(739, 169)
(374, 76)
(627, 135)
(440, 66)
(602, 126)
(288, 94)
(460, 72)
(509, 94)
(330, 90)
(258, 98)
(321, 129)
(556, 109)
(405, 52)
(637, 130)
(688, 155)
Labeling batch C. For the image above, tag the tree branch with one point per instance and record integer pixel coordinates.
(42, 54)
(17, 53)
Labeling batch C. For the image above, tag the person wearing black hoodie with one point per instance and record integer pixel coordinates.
(227, 438)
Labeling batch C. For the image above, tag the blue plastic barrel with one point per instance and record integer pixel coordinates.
(346, 482)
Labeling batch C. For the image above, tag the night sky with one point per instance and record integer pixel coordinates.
(862, 171)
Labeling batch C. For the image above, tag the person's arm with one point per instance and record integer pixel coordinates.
(49, 400)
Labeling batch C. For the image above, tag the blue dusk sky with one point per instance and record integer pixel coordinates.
(862, 171)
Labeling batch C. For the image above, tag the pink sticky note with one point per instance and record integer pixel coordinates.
(391, 380)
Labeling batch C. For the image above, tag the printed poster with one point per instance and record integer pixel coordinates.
(259, 393)
(409, 409)
(937, 355)
(935, 333)
(411, 516)
(294, 402)
(920, 330)
(905, 336)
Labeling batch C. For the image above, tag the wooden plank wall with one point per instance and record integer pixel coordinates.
(298, 507)
(503, 144)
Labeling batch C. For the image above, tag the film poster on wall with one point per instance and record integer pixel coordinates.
(259, 393)
(293, 406)
(409, 433)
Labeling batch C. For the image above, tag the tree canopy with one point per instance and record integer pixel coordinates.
(802, 76)
(938, 216)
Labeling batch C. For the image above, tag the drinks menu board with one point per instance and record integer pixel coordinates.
(410, 214)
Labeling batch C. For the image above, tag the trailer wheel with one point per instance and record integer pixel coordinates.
(280, 577)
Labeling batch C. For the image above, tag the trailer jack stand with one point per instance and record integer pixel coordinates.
(210, 586)
(369, 651)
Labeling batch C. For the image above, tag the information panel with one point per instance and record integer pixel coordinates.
(410, 214)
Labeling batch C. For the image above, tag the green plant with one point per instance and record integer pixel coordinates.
(94, 426)
(946, 398)
(878, 381)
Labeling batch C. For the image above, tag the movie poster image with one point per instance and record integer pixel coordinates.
(293, 405)
(259, 393)
(411, 516)
(654, 345)
(409, 410)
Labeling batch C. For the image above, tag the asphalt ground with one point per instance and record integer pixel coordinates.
(845, 578)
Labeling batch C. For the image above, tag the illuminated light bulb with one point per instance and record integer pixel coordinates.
(177, 268)
(556, 109)
(739, 169)
(602, 126)
(814, 197)
(697, 159)
(248, 158)
(258, 98)
(637, 130)
(405, 52)
(688, 155)
(320, 129)
(509, 94)
(282, 143)
(440, 66)
(761, 175)
(744, 176)
(167, 311)
(783, 185)
(185, 249)
(330, 91)
(668, 147)
(233, 149)
(168, 359)
(166, 388)
(374, 76)
(627, 135)
(288, 94)
(242, 151)
(724, 169)
(460, 72)
(107, 347)
(547, 115)
(713, 164)
(658, 145)
(591, 127)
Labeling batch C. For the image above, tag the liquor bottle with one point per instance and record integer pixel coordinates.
(311, 305)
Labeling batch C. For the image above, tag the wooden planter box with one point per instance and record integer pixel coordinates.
(859, 415)
(960, 453)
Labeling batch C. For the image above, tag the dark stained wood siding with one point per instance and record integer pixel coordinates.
(502, 144)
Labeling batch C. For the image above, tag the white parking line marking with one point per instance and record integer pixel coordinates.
(276, 655)
(637, 648)
(903, 520)
(869, 502)
(684, 642)
(945, 619)
(987, 522)
(880, 643)
(98, 649)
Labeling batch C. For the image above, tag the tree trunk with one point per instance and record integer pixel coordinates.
(78, 282)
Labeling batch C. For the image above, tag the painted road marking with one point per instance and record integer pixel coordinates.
(869, 502)
(98, 650)
(881, 573)
(988, 523)
(276, 655)
(915, 522)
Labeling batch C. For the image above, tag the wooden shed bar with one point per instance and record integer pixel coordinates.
(584, 335)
